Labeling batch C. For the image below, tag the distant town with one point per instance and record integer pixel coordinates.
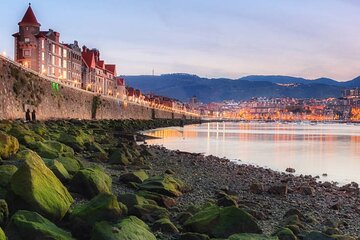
(82, 68)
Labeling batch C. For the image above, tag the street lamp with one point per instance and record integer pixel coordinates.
(3, 53)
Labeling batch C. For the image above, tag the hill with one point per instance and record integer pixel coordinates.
(184, 86)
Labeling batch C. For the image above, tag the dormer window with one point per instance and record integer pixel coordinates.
(27, 40)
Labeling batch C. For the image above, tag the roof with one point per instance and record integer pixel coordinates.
(89, 59)
(111, 68)
(29, 18)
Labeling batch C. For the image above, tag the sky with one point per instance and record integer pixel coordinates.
(210, 38)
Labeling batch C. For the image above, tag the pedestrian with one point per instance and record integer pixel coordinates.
(33, 116)
(27, 116)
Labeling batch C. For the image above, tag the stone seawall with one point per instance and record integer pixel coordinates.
(21, 90)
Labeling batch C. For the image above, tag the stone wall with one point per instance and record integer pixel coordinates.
(21, 90)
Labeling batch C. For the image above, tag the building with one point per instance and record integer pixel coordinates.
(98, 76)
(43, 52)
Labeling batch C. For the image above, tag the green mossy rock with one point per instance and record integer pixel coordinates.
(38, 187)
(25, 135)
(4, 212)
(130, 200)
(6, 172)
(77, 140)
(164, 225)
(150, 212)
(221, 222)
(70, 164)
(249, 236)
(343, 237)
(103, 207)
(285, 234)
(9, 145)
(91, 181)
(52, 149)
(2, 235)
(26, 225)
(136, 177)
(130, 228)
(120, 157)
(193, 236)
(58, 169)
(166, 185)
(161, 200)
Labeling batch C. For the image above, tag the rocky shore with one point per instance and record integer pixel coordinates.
(91, 180)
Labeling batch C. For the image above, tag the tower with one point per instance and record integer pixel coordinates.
(26, 42)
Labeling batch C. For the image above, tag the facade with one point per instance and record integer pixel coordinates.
(42, 51)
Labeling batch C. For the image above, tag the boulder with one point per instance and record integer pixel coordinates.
(193, 236)
(166, 185)
(307, 190)
(2, 235)
(256, 188)
(9, 145)
(25, 135)
(120, 157)
(52, 149)
(58, 169)
(161, 200)
(91, 181)
(281, 190)
(6, 172)
(285, 234)
(250, 236)
(222, 222)
(77, 139)
(130, 228)
(70, 164)
(164, 225)
(150, 212)
(136, 177)
(39, 188)
(130, 200)
(103, 207)
(314, 235)
(25, 225)
(4, 212)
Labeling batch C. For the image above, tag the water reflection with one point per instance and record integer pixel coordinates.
(324, 148)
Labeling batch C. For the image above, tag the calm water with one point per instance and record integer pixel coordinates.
(310, 149)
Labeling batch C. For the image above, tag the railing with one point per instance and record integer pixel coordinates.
(127, 100)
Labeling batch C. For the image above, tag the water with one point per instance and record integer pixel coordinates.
(333, 149)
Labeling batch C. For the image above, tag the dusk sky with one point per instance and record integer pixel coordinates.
(210, 38)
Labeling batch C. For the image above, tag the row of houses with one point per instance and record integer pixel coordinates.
(75, 66)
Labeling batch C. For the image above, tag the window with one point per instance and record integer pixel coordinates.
(42, 43)
(64, 53)
(53, 48)
(27, 40)
(64, 64)
(43, 56)
(52, 60)
(27, 53)
(65, 75)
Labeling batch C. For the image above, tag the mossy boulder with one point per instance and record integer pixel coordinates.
(166, 185)
(52, 149)
(103, 207)
(193, 236)
(136, 177)
(70, 164)
(120, 157)
(58, 169)
(160, 199)
(222, 222)
(6, 172)
(4, 212)
(91, 181)
(130, 228)
(130, 200)
(151, 212)
(285, 234)
(250, 236)
(38, 187)
(164, 225)
(31, 225)
(77, 139)
(9, 145)
(2, 235)
(24, 135)
(314, 235)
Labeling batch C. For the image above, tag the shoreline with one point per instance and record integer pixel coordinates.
(98, 163)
